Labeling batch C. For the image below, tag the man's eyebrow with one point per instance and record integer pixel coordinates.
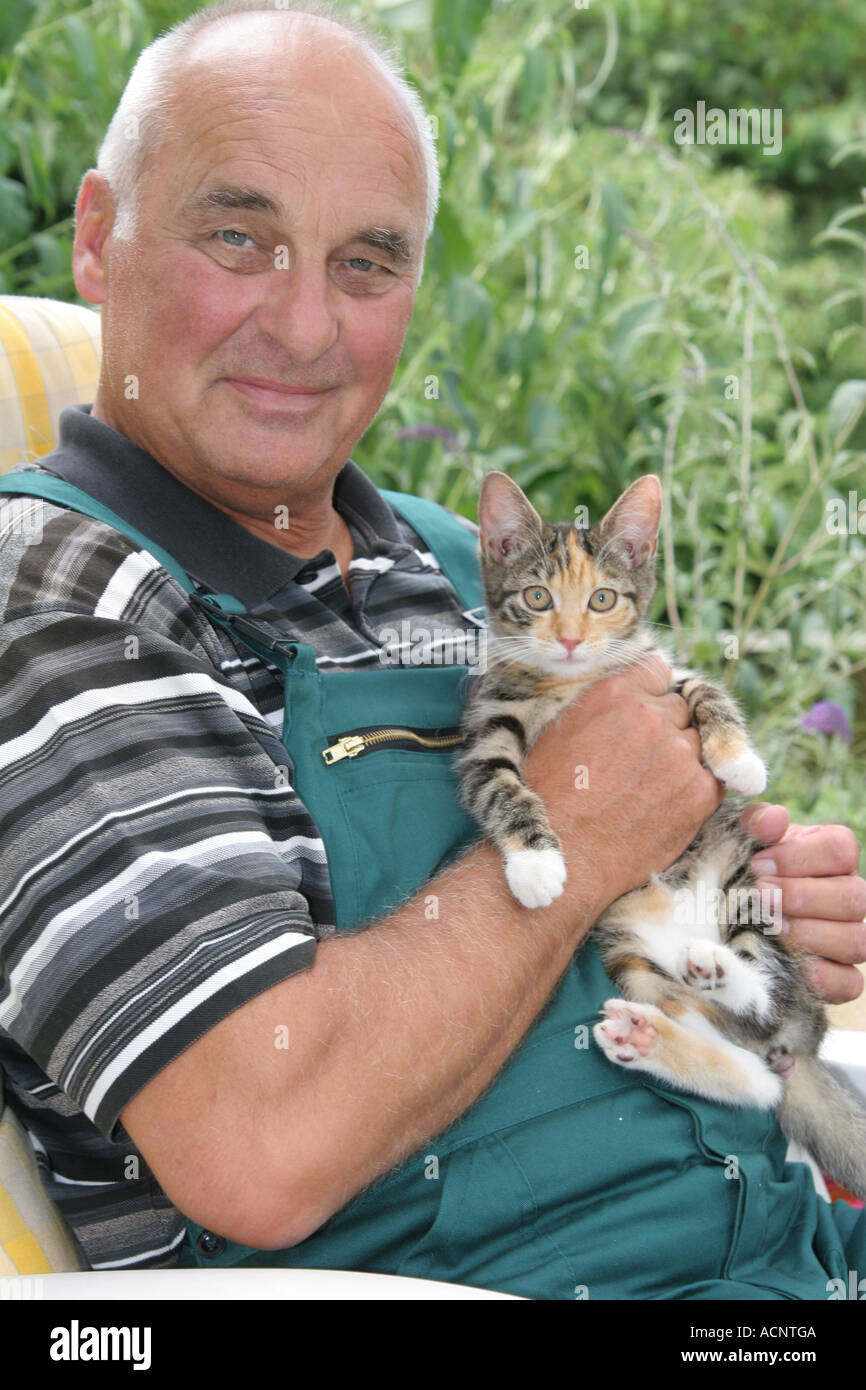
(232, 197)
(393, 243)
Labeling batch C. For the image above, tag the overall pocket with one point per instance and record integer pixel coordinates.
(399, 794)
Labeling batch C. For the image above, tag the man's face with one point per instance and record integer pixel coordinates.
(252, 271)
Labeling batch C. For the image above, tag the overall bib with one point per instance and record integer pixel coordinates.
(569, 1178)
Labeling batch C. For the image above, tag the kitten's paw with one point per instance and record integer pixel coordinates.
(702, 965)
(746, 774)
(628, 1031)
(710, 967)
(780, 1060)
(764, 1088)
(535, 876)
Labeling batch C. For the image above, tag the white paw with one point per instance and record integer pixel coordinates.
(703, 965)
(737, 984)
(535, 876)
(764, 1087)
(628, 1032)
(746, 774)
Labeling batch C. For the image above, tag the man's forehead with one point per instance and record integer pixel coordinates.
(284, 106)
(266, 29)
(295, 60)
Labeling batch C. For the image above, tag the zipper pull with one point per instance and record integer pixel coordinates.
(349, 746)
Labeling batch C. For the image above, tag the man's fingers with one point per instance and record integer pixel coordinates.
(833, 900)
(838, 984)
(693, 738)
(842, 942)
(678, 712)
(654, 675)
(827, 850)
(766, 822)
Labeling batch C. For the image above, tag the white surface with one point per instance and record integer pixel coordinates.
(257, 1285)
(844, 1052)
(797, 1154)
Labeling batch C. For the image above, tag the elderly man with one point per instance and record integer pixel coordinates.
(194, 1021)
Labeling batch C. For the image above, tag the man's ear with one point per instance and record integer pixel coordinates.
(632, 523)
(94, 219)
(509, 522)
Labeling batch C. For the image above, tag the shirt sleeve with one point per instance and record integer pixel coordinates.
(153, 854)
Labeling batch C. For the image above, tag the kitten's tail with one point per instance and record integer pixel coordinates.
(821, 1114)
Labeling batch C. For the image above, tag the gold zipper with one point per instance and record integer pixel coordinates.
(350, 745)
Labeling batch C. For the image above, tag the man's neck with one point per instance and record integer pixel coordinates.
(318, 527)
(303, 529)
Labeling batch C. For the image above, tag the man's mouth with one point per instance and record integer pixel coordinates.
(267, 392)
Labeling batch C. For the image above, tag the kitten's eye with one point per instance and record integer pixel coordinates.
(603, 600)
(537, 597)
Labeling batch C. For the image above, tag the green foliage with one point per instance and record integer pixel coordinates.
(597, 302)
(807, 59)
(62, 68)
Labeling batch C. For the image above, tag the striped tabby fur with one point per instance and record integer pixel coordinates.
(714, 997)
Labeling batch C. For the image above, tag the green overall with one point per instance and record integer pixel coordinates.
(570, 1178)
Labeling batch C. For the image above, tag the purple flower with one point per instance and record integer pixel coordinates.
(449, 439)
(827, 718)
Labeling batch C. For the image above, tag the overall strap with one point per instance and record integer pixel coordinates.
(65, 495)
(453, 544)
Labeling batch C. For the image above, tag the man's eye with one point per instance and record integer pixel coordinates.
(360, 263)
(232, 238)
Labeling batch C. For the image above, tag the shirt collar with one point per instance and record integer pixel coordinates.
(212, 548)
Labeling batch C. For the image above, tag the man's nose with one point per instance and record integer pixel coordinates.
(298, 308)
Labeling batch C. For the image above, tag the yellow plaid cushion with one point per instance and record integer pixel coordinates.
(49, 358)
(34, 1238)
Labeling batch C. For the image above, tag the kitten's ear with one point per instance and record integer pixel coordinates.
(509, 522)
(633, 521)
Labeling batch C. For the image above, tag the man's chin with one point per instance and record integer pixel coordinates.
(278, 465)
(227, 460)
(259, 448)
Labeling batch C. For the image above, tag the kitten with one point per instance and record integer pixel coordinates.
(715, 999)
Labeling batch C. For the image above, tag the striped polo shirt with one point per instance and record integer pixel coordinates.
(158, 869)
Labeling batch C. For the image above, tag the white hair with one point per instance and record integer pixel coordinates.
(143, 117)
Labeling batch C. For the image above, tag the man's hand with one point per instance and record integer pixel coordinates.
(621, 777)
(823, 895)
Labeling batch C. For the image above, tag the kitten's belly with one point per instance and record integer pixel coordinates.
(667, 918)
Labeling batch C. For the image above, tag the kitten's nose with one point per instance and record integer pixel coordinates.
(570, 643)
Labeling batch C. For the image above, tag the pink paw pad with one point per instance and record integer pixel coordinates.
(701, 967)
(693, 969)
(627, 1027)
(780, 1061)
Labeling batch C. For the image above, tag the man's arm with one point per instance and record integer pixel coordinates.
(398, 1029)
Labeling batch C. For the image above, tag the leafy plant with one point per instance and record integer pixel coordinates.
(597, 302)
